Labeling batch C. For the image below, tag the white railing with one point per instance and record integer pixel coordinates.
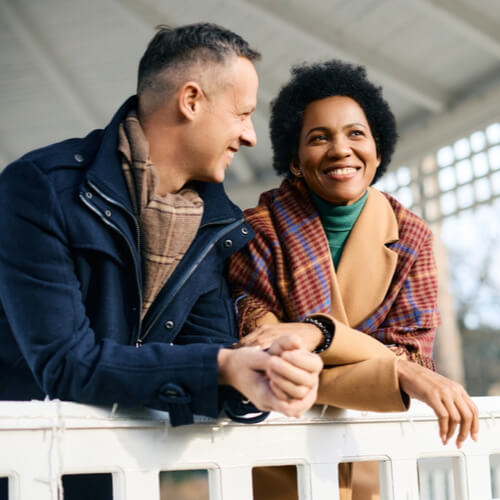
(41, 441)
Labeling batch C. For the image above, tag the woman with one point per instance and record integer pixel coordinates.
(340, 263)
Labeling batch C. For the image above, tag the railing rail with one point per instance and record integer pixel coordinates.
(41, 441)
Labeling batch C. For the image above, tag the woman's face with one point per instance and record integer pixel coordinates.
(337, 153)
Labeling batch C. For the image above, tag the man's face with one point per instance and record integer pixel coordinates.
(225, 121)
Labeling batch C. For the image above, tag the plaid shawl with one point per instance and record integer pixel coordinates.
(287, 270)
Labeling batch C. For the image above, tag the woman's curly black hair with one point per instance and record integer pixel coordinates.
(318, 81)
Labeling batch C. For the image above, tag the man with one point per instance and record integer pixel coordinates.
(112, 280)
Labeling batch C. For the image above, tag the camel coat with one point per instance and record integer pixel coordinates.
(386, 264)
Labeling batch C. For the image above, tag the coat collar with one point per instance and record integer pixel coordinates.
(367, 265)
(106, 170)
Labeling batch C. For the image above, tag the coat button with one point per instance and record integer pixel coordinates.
(244, 230)
(79, 157)
(107, 213)
(228, 243)
(169, 324)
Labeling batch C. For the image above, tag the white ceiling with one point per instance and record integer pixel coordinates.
(66, 65)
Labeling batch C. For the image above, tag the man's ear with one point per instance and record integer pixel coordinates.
(189, 99)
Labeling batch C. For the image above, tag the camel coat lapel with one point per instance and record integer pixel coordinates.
(367, 266)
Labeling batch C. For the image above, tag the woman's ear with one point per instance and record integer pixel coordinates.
(295, 169)
(189, 99)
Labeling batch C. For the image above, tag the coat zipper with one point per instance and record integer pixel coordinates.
(138, 342)
(189, 272)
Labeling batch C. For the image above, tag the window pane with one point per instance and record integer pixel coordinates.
(478, 141)
(462, 148)
(480, 164)
(495, 183)
(494, 156)
(493, 133)
(445, 156)
(448, 203)
(405, 197)
(482, 189)
(447, 178)
(404, 176)
(464, 171)
(465, 196)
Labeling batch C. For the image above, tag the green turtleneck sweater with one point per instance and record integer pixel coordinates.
(338, 221)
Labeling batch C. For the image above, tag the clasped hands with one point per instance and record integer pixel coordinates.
(452, 405)
(282, 378)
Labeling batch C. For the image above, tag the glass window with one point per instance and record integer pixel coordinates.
(405, 197)
(445, 156)
(404, 176)
(462, 148)
(493, 133)
(464, 171)
(390, 182)
(465, 196)
(477, 141)
(447, 178)
(482, 189)
(480, 164)
(494, 157)
(448, 203)
(495, 182)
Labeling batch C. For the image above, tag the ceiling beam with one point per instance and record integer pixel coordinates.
(427, 136)
(477, 27)
(401, 79)
(34, 43)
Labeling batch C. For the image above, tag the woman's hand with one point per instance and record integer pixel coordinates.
(449, 400)
(263, 336)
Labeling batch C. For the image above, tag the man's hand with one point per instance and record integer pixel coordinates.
(448, 399)
(284, 379)
(265, 335)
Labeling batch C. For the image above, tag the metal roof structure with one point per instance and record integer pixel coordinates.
(66, 65)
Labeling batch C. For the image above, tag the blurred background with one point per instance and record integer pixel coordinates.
(66, 65)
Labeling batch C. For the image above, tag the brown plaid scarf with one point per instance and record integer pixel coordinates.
(168, 223)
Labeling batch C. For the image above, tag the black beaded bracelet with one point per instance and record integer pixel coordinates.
(326, 327)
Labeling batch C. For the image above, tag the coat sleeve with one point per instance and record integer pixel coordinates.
(41, 301)
(252, 279)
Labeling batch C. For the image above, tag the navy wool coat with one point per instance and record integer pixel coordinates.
(71, 288)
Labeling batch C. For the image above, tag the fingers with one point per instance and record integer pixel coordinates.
(285, 343)
(296, 407)
(449, 400)
(304, 359)
(469, 421)
(292, 380)
(262, 337)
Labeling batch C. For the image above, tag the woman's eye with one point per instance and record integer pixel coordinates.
(317, 138)
(357, 132)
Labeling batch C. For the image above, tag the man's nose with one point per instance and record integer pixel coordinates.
(248, 136)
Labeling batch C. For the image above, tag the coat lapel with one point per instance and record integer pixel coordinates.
(338, 310)
(367, 266)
